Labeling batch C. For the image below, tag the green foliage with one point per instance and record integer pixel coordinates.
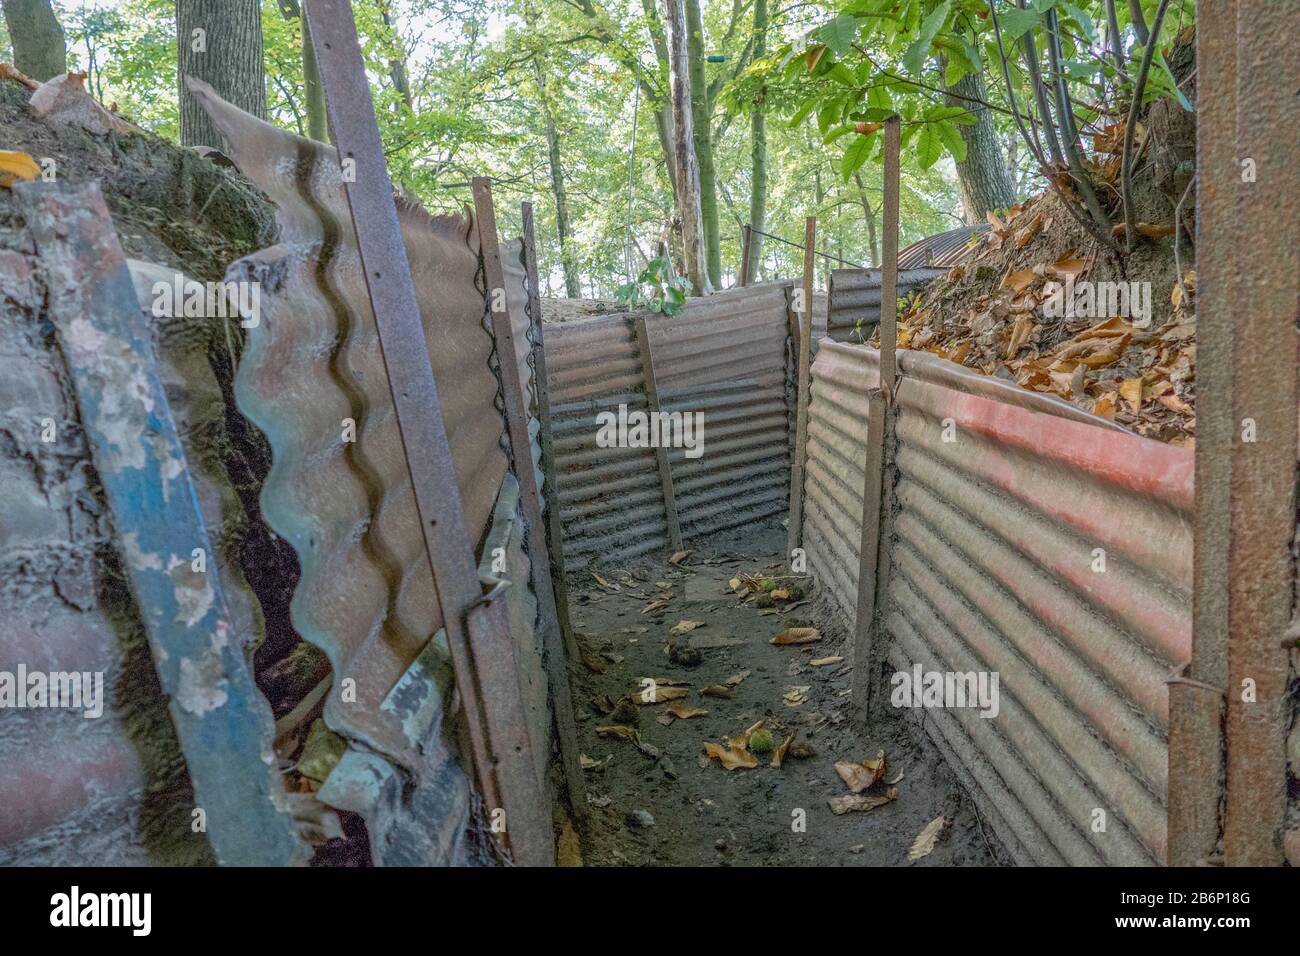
(656, 288)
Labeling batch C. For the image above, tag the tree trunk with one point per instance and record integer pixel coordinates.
(982, 176)
(219, 42)
(571, 287)
(37, 37)
(873, 248)
(688, 170)
(703, 129)
(397, 65)
(758, 151)
(318, 127)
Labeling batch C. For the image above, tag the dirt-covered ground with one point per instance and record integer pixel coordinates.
(656, 799)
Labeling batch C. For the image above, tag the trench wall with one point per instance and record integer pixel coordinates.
(728, 356)
(1024, 537)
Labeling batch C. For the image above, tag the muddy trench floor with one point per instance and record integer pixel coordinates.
(664, 803)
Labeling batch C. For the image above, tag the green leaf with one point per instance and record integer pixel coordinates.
(1016, 23)
(951, 137)
(839, 34)
(855, 156)
(957, 114)
(836, 133)
(878, 98)
(929, 146)
(803, 112)
(843, 75)
(915, 57)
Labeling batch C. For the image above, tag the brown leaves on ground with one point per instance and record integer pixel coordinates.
(15, 166)
(861, 776)
(680, 710)
(654, 692)
(797, 635)
(678, 557)
(732, 757)
(861, 802)
(925, 840)
(1018, 312)
(684, 627)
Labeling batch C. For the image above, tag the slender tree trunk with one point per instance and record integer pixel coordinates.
(983, 179)
(873, 247)
(37, 37)
(758, 150)
(397, 64)
(219, 42)
(688, 170)
(318, 127)
(571, 287)
(703, 128)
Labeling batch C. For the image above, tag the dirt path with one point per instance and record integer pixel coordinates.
(664, 803)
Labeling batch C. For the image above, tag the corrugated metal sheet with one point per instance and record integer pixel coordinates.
(992, 569)
(724, 355)
(941, 251)
(347, 507)
(854, 307)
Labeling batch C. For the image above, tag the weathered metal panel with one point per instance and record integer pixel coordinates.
(223, 722)
(724, 355)
(312, 365)
(941, 251)
(1005, 517)
(854, 306)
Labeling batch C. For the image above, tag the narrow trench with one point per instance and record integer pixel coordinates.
(655, 798)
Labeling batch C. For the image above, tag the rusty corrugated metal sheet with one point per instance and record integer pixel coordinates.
(993, 569)
(724, 355)
(941, 251)
(314, 361)
(854, 307)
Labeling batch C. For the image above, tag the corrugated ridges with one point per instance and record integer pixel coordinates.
(724, 355)
(992, 569)
(854, 299)
(347, 508)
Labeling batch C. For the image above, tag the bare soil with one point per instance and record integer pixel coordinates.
(703, 814)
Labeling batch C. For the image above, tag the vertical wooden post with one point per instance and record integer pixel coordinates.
(889, 264)
(522, 452)
(661, 453)
(554, 520)
(746, 250)
(1196, 700)
(877, 490)
(795, 530)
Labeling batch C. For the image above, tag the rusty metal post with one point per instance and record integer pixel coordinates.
(794, 531)
(1262, 469)
(746, 250)
(661, 453)
(877, 484)
(1196, 696)
(512, 388)
(554, 523)
(486, 677)
(889, 264)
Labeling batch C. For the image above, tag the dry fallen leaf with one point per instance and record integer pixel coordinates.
(780, 594)
(616, 730)
(926, 839)
(605, 583)
(778, 754)
(1131, 391)
(823, 661)
(1019, 281)
(684, 627)
(717, 690)
(797, 635)
(795, 696)
(654, 606)
(683, 710)
(654, 693)
(678, 557)
(15, 165)
(860, 776)
(731, 757)
(861, 802)
(735, 679)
